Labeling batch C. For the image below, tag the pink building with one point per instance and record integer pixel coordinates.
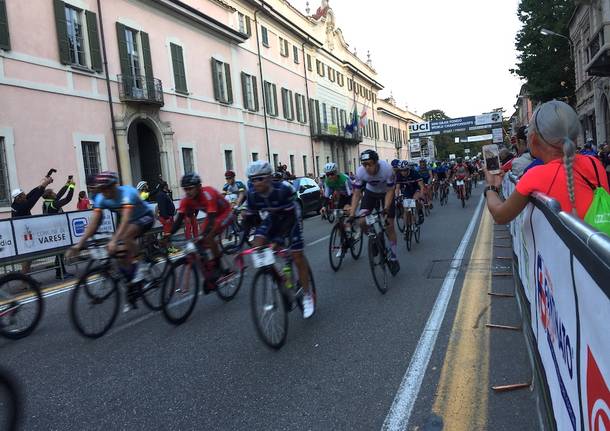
(163, 87)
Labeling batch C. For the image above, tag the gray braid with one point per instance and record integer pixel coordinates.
(569, 153)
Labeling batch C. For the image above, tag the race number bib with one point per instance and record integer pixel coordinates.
(263, 258)
(460, 182)
(371, 219)
(409, 203)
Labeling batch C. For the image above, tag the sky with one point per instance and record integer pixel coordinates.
(436, 54)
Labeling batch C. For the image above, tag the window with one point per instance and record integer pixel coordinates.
(301, 108)
(178, 66)
(245, 25)
(229, 160)
(271, 98)
(309, 65)
(276, 161)
(318, 164)
(331, 74)
(188, 161)
(5, 38)
(385, 132)
(304, 165)
(320, 68)
(265, 36)
(295, 54)
(292, 164)
(324, 117)
(250, 92)
(350, 84)
(340, 80)
(133, 57)
(287, 104)
(334, 116)
(376, 130)
(374, 98)
(284, 47)
(343, 119)
(254, 157)
(314, 115)
(327, 159)
(76, 42)
(5, 186)
(91, 158)
(221, 75)
(77, 36)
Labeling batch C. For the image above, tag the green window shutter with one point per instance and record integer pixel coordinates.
(274, 91)
(178, 66)
(255, 91)
(62, 32)
(297, 98)
(123, 56)
(285, 103)
(304, 109)
(148, 70)
(5, 39)
(215, 80)
(94, 41)
(229, 84)
(244, 90)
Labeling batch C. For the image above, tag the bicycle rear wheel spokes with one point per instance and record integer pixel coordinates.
(409, 235)
(377, 262)
(228, 285)
(357, 242)
(330, 216)
(268, 308)
(9, 402)
(230, 238)
(417, 232)
(400, 218)
(94, 304)
(158, 264)
(336, 249)
(180, 291)
(21, 305)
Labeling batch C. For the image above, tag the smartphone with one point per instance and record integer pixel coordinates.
(70, 177)
(491, 155)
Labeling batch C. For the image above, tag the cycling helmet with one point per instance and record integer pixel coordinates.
(141, 185)
(330, 167)
(277, 176)
(106, 179)
(404, 165)
(229, 174)
(259, 168)
(190, 180)
(369, 155)
(395, 163)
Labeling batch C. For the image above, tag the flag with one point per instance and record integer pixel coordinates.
(353, 126)
(363, 118)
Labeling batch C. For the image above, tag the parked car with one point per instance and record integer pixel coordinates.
(309, 195)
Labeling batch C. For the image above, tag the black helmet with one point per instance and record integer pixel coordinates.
(190, 180)
(369, 155)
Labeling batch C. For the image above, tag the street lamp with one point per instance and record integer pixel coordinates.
(547, 32)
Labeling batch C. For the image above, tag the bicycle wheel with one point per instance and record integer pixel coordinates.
(417, 233)
(228, 285)
(158, 264)
(312, 286)
(180, 291)
(230, 238)
(94, 305)
(268, 308)
(377, 262)
(400, 218)
(463, 200)
(21, 305)
(427, 210)
(357, 243)
(330, 216)
(336, 248)
(9, 402)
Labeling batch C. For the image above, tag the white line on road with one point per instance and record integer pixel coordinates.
(318, 241)
(408, 391)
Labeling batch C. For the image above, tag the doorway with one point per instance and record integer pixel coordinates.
(144, 154)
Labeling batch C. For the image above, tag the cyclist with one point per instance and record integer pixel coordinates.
(426, 175)
(337, 186)
(135, 219)
(440, 174)
(377, 178)
(410, 185)
(236, 188)
(219, 216)
(277, 199)
(459, 172)
(395, 165)
(143, 191)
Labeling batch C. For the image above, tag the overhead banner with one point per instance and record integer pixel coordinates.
(463, 124)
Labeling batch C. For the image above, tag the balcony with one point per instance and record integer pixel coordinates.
(598, 53)
(584, 92)
(332, 131)
(141, 90)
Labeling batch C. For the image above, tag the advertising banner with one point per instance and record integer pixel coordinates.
(451, 125)
(7, 244)
(41, 233)
(498, 135)
(79, 221)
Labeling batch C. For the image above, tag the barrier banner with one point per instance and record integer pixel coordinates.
(41, 233)
(7, 244)
(79, 221)
(594, 309)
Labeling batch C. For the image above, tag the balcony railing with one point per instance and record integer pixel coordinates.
(323, 130)
(598, 53)
(140, 89)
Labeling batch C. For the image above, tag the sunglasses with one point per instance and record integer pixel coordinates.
(258, 179)
(368, 163)
(330, 174)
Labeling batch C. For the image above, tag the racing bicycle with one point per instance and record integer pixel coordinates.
(21, 305)
(343, 239)
(379, 250)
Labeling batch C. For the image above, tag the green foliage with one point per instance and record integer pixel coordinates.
(545, 62)
(435, 115)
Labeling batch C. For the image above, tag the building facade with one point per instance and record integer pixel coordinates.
(159, 88)
(590, 38)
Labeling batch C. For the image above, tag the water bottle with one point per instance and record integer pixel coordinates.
(287, 271)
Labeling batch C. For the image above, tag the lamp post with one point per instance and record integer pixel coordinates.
(547, 32)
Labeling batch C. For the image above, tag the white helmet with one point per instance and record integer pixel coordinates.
(330, 167)
(141, 185)
(259, 168)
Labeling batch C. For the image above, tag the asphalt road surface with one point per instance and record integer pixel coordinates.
(365, 361)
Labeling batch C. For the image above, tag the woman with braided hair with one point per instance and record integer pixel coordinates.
(568, 177)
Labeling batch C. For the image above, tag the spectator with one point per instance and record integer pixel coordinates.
(53, 204)
(506, 159)
(564, 176)
(83, 201)
(23, 204)
(588, 150)
(524, 158)
(165, 208)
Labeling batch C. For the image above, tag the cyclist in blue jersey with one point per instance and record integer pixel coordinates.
(234, 188)
(135, 219)
(410, 185)
(426, 175)
(283, 220)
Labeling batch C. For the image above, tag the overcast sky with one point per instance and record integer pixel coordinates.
(436, 54)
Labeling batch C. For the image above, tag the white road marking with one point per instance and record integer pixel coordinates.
(318, 241)
(408, 391)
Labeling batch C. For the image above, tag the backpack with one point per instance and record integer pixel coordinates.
(598, 214)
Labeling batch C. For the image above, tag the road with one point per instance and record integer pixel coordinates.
(365, 361)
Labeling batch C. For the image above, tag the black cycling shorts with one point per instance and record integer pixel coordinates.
(343, 201)
(371, 200)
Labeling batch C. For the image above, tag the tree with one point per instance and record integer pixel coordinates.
(545, 62)
(435, 115)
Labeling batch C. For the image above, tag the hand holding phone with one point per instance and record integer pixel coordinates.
(491, 155)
